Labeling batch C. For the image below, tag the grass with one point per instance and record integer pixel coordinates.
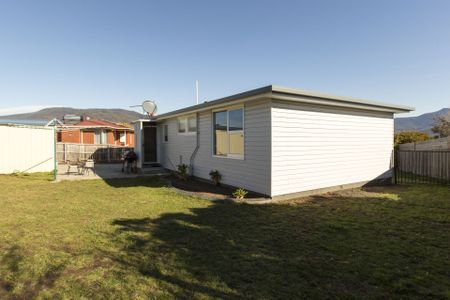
(137, 239)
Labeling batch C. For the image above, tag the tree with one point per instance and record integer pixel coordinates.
(410, 137)
(441, 126)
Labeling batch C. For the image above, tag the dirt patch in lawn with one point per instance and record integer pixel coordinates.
(374, 192)
(386, 188)
(204, 189)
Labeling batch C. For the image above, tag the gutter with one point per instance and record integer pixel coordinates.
(211, 105)
(341, 103)
(290, 94)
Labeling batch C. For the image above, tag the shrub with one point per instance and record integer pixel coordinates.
(441, 126)
(240, 193)
(183, 171)
(215, 177)
(410, 137)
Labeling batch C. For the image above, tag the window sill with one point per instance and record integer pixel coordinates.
(230, 157)
(187, 133)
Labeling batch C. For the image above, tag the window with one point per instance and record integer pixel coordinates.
(182, 125)
(123, 137)
(187, 125)
(166, 133)
(101, 137)
(192, 124)
(229, 133)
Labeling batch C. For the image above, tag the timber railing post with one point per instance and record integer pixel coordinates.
(64, 152)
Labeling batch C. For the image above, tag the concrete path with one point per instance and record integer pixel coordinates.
(105, 171)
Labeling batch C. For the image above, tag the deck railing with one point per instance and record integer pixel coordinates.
(79, 152)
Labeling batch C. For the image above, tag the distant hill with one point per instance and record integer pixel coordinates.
(113, 115)
(420, 123)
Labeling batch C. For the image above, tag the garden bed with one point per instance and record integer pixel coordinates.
(205, 189)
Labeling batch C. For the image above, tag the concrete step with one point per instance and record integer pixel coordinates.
(154, 170)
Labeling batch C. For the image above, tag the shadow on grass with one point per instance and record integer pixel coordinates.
(353, 246)
(144, 181)
(10, 271)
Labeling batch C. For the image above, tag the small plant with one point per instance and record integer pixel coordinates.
(183, 171)
(240, 193)
(215, 177)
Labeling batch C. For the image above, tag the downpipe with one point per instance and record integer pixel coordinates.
(197, 146)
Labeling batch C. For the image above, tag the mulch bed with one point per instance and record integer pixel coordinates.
(206, 189)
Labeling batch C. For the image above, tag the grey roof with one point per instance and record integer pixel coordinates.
(296, 95)
(23, 122)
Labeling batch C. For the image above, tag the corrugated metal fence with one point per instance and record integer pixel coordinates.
(79, 152)
(422, 167)
(27, 149)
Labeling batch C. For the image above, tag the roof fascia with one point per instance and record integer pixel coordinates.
(340, 103)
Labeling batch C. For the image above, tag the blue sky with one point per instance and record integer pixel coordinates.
(89, 53)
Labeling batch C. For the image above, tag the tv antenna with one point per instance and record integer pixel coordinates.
(149, 108)
(196, 90)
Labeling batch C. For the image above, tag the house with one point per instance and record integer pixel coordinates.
(276, 141)
(96, 132)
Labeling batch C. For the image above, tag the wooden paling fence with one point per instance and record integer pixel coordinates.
(430, 145)
(80, 152)
(422, 166)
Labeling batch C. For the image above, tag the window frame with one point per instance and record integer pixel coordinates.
(227, 109)
(185, 120)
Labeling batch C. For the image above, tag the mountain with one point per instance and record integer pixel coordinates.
(420, 123)
(114, 114)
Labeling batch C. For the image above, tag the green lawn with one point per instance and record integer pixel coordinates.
(135, 238)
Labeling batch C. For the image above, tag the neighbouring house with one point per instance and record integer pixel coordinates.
(276, 141)
(99, 132)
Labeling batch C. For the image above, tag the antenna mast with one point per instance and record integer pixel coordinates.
(196, 90)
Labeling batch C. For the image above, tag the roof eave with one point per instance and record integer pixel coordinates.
(344, 102)
(93, 127)
(289, 94)
(263, 93)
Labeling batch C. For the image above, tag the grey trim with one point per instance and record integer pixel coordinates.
(208, 104)
(331, 189)
(283, 91)
(278, 91)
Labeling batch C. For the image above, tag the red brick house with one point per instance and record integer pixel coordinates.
(98, 132)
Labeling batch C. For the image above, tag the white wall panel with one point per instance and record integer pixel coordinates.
(26, 149)
(318, 147)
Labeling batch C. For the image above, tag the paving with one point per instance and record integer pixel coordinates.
(105, 171)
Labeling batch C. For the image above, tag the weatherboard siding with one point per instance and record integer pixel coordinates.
(179, 147)
(314, 147)
(251, 173)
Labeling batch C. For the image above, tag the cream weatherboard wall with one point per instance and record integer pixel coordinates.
(317, 147)
(27, 149)
(252, 172)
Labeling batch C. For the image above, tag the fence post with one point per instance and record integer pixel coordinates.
(64, 152)
(395, 166)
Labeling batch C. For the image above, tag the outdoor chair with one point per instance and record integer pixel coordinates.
(89, 166)
(73, 167)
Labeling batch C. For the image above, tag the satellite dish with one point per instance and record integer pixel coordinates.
(149, 107)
